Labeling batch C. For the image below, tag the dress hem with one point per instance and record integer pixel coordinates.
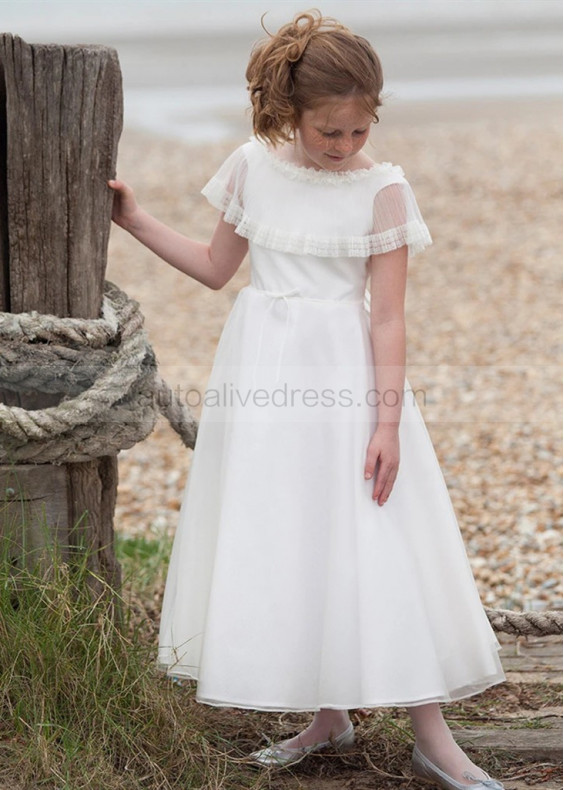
(273, 708)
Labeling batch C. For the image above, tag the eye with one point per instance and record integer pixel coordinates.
(337, 133)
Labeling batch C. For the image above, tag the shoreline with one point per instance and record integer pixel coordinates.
(224, 124)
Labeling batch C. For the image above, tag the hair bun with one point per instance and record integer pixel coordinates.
(299, 33)
(295, 50)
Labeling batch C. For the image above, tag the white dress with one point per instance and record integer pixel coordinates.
(289, 587)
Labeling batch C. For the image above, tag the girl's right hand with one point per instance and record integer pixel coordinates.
(125, 208)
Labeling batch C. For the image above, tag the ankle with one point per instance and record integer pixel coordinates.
(331, 721)
(326, 724)
(433, 734)
(435, 739)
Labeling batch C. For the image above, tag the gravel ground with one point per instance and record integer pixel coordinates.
(484, 327)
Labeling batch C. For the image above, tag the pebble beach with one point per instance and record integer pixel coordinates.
(483, 313)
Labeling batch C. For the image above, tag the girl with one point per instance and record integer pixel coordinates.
(311, 570)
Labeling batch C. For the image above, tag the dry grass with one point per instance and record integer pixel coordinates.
(82, 706)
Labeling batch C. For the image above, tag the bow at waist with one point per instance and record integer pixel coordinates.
(286, 297)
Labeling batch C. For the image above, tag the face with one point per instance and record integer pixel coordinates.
(330, 136)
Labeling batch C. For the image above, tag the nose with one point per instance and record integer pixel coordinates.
(345, 145)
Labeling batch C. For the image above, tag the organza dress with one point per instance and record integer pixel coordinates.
(289, 588)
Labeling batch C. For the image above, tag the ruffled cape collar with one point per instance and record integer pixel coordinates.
(311, 174)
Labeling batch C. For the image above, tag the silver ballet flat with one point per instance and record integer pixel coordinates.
(424, 769)
(279, 756)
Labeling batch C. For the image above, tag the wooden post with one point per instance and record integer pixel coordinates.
(60, 122)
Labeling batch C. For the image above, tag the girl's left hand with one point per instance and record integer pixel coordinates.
(384, 450)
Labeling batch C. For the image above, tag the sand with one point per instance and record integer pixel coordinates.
(483, 313)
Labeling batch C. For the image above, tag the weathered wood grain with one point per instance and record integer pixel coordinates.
(60, 122)
(64, 118)
(92, 498)
(544, 743)
(4, 271)
(35, 515)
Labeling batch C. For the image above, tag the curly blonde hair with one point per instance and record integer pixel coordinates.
(309, 60)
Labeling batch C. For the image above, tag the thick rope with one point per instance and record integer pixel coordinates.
(113, 393)
(107, 373)
(525, 623)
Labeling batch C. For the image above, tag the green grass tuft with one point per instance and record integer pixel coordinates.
(82, 704)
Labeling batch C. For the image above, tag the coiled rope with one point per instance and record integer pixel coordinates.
(112, 393)
(107, 373)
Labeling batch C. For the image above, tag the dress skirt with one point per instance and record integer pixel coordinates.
(289, 587)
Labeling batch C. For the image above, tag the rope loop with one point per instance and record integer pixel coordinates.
(106, 372)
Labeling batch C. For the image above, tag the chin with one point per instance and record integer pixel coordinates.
(336, 164)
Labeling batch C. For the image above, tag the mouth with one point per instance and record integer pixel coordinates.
(336, 158)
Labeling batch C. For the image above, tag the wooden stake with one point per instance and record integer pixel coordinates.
(60, 122)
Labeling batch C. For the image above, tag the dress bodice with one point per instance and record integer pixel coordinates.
(315, 230)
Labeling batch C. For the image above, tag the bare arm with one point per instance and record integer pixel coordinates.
(212, 264)
(388, 277)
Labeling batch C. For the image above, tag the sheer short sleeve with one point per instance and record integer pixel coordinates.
(225, 189)
(398, 221)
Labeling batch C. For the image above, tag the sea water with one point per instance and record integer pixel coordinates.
(183, 62)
